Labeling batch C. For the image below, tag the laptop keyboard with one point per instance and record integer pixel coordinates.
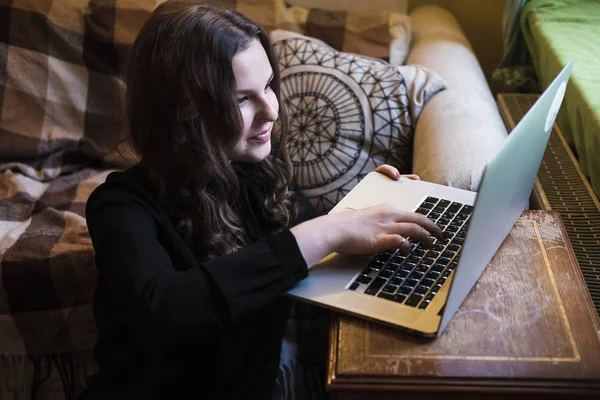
(415, 278)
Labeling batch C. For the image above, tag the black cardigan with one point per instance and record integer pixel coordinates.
(170, 322)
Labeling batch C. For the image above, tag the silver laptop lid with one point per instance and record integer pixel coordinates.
(504, 191)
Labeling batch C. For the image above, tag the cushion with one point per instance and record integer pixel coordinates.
(375, 33)
(349, 114)
(461, 130)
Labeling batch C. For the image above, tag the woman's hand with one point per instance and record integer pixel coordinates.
(364, 231)
(374, 229)
(393, 172)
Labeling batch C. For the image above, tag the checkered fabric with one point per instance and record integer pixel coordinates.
(62, 113)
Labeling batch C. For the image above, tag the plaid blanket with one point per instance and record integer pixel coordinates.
(62, 114)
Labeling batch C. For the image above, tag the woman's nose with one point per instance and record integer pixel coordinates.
(269, 108)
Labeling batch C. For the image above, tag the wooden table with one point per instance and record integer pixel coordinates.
(528, 327)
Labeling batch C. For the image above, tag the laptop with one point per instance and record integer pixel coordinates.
(421, 291)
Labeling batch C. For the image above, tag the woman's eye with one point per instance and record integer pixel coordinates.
(242, 100)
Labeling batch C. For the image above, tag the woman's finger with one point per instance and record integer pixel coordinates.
(418, 219)
(414, 177)
(413, 231)
(388, 170)
(394, 241)
(420, 234)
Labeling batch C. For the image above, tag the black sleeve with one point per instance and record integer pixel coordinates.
(306, 211)
(185, 304)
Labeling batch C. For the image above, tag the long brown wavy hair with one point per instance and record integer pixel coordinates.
(185, 119)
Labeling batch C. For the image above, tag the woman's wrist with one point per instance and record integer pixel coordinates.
(316, 238)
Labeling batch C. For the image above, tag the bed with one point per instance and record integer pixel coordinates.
(554, 32)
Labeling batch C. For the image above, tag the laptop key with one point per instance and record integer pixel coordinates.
(431, 199)
(376, 265)
(422, 210)
(386, 274)
(409, 266)
(417, 275)
(419, 252)
(389, 288)
(422, 268)
(433, 216)
(375, 286)
(411, 282)
(399, 258)
(354, 286)
(439, 209)
(453, 247)
(444, 221)
(428, 281)
(462, 216)
(448, 254)
(414, 299)
(448, 215)
(443, 203)
(455, 207)
(396, 280)
(467, 209)
(400, 297)
(427, 205)
(443, 261)
(413, 259)
(421, 289)
(385, 295)
(433, 254)
(438, 247)
(367, 270)
(427, 261)
(402, 273)
(438, 267)
(423, 305)
(432, 275)
(391, 268)
(443, 242)
(405, 290)
(452, 228)
(448, 234)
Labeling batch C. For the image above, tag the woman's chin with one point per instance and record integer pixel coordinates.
(254, 154)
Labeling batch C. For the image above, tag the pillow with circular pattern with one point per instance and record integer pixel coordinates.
(348, 114)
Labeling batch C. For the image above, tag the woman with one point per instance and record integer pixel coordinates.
(196, 243)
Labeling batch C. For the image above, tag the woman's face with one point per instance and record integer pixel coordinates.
(257, 101)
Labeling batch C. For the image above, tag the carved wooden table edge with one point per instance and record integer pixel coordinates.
(352, 385)
(339, 383)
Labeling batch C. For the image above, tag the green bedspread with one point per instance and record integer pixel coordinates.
(556, 31)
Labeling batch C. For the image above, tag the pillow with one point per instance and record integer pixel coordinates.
(348, 114)
(375, 33)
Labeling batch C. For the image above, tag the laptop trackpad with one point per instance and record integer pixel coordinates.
(404, 194)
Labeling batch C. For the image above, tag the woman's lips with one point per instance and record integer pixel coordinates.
(262, 137)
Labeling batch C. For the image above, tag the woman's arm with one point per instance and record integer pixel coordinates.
(181, 304)
(365, 231)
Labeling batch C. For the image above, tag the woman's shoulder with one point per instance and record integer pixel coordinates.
(131, 186)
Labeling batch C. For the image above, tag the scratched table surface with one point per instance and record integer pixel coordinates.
(529, 317)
